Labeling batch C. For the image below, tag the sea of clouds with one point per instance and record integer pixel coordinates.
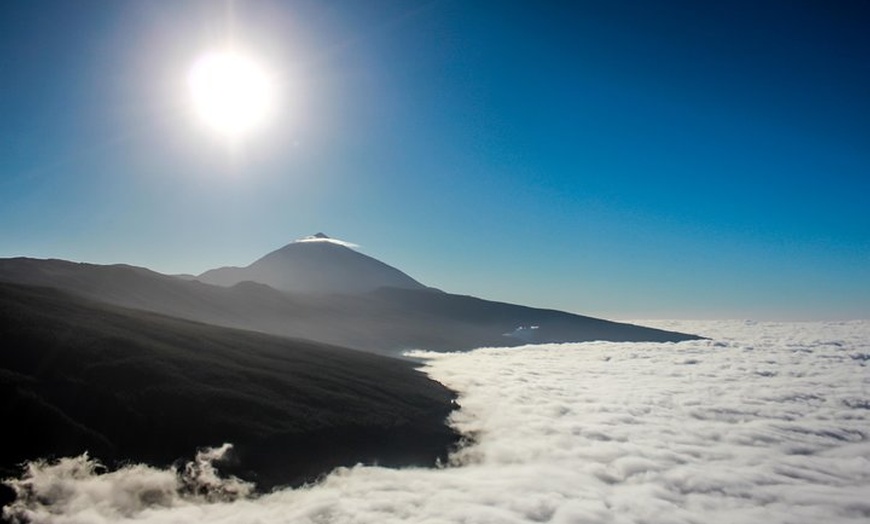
(764, 422)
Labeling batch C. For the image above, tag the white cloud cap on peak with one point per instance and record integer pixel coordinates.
(322, 237)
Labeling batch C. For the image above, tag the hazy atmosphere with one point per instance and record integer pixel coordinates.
(383, 261)
(624, 159)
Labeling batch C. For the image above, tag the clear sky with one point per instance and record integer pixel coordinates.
(624, 159)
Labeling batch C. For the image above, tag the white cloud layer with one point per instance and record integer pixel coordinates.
(764, 423)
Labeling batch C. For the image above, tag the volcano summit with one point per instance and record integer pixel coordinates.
(315, 264)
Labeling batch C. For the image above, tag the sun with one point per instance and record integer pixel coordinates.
(231, 92)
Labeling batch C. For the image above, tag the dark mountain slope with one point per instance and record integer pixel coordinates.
(387, 320)
(488, 323)
(128, 385)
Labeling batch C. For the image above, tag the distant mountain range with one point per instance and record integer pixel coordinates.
(134, 365)
(321, 289)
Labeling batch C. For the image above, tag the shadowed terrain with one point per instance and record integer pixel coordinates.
(127, 385)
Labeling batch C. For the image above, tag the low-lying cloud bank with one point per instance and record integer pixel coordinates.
(764, 423)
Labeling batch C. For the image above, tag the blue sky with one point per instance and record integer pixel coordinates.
(623, 159)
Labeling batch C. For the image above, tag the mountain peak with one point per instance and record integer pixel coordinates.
(315, 264)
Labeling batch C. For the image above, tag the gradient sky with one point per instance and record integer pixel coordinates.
(629, 159)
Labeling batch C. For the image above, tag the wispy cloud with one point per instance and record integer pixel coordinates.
(766, 422)
(329, 240)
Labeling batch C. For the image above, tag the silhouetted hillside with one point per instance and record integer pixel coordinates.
(129, 385)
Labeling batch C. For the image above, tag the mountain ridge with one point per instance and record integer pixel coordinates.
(385, 320)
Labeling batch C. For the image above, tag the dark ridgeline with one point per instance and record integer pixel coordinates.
(133, 365)
(387, 311)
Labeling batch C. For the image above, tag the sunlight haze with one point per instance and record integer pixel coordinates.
(386, 261)
(627, 159)
(231, 92)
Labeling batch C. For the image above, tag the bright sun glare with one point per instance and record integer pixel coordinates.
(231, 93)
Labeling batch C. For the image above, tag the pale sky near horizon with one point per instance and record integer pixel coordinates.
(627, 159)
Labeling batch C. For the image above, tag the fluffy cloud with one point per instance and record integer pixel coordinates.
(78, 489)
(765, 422)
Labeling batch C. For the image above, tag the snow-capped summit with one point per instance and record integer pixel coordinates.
(315, 264)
